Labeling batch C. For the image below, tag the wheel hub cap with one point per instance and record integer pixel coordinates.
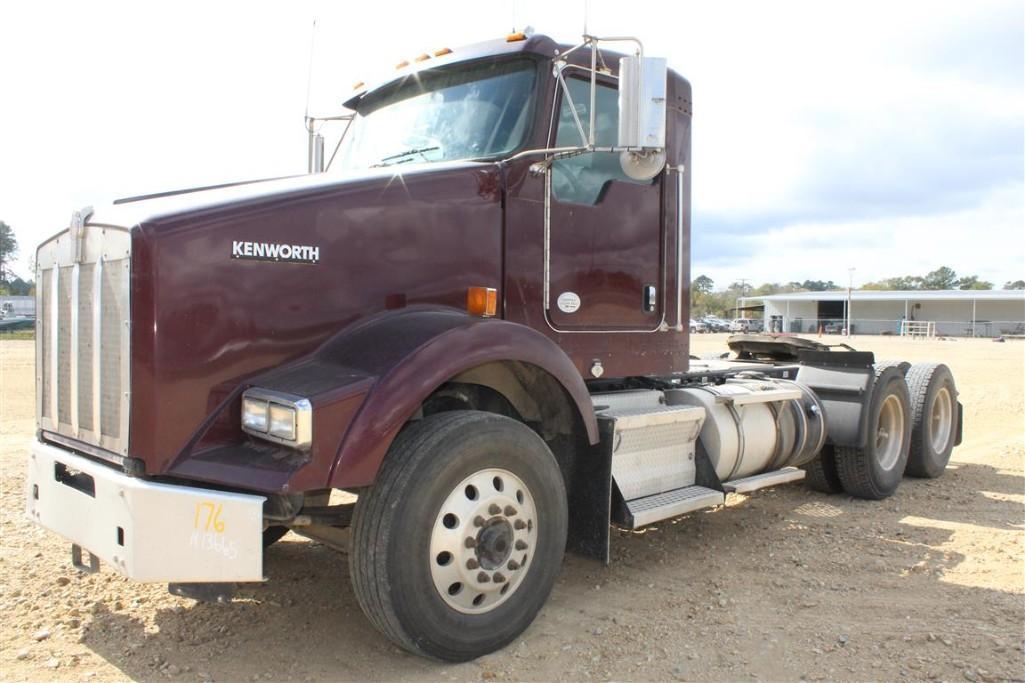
(482, 541)
(941, 420)
(890, 433)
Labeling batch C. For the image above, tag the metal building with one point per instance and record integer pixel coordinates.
(17, 306)
(950, 313)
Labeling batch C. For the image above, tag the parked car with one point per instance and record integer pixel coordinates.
(716, 324)
(696, 326)
(746, 325)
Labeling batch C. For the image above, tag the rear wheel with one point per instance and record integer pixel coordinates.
(875, 471)
(458, 543)
(820, 473)
(933, 419)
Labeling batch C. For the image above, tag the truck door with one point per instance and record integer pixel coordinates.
(606, 242)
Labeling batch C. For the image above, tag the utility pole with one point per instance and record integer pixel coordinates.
(743, 292)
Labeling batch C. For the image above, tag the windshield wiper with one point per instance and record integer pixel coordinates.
(408, 153)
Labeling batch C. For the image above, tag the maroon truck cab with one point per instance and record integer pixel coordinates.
(349, 288)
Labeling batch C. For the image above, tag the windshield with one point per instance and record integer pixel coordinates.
(463, 112)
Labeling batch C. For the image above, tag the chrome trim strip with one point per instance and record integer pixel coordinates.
(39, 344)
(83, 447)
(126, 361)
(547, 245)
(97, 341)
(679, 248)
(54, 342)
(76, 274)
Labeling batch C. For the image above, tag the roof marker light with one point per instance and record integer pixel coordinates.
(402, 65)
(442, 52)
(422, 58)
(515, 37)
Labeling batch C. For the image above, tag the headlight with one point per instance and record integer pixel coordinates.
(278, 417)
(254, 414)
(282, 421)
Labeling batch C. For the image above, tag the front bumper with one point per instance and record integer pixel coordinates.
(145, 530)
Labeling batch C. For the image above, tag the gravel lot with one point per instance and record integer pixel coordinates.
(785, 584)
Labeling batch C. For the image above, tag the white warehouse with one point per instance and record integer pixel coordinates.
(951, 313)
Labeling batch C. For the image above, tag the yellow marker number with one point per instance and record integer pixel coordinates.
(208, 517)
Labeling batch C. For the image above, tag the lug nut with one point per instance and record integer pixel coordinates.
(494, 509)
(499, 577)
(472, 563)
(519, 524)
(478, 521)
(482, 577)
(471, 542)
(514, 565)
(510, 511)
(521, 545)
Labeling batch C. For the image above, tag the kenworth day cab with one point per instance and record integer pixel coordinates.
(474, 326)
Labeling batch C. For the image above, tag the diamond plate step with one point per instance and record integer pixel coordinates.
(764, 480)
(671, 504)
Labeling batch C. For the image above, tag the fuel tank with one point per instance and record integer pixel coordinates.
(747, 432)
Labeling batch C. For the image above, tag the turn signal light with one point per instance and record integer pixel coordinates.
(515, 37)
(482, 301)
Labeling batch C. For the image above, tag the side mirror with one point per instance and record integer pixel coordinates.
(642, 102)
(642, 116)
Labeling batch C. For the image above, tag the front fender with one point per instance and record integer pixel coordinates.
(412, 352)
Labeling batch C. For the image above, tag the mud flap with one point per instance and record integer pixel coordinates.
(590, 501)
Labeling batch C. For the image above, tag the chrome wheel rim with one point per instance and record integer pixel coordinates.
(940, 420)
(483, 541)
(890, 432)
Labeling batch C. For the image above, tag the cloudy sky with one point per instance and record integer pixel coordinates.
(884, 136)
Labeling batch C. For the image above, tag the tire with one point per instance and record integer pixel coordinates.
(420, 509)
(874, 472)
(820, 473)
(933, 419)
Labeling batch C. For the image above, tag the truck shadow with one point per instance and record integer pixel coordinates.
(754, 567)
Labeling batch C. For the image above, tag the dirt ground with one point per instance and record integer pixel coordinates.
(784, 584)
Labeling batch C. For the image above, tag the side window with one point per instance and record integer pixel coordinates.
(582, 179)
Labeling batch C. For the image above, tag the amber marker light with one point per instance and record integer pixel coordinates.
(482, 301)
(359, 85)
(442, 52)
(515, 37)
(402, 65)
(422, 58)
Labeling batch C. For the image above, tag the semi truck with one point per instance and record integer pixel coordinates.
(457, 349)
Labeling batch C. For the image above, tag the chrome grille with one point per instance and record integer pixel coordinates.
(82, 336)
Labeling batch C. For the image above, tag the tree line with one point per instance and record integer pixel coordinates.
(11, 284)
(707, 300)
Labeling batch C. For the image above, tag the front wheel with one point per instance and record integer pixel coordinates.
(458, 543)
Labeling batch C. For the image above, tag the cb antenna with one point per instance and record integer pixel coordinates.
(309, 71)
(587, 7)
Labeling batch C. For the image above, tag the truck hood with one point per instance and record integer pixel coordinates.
(132, 211)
